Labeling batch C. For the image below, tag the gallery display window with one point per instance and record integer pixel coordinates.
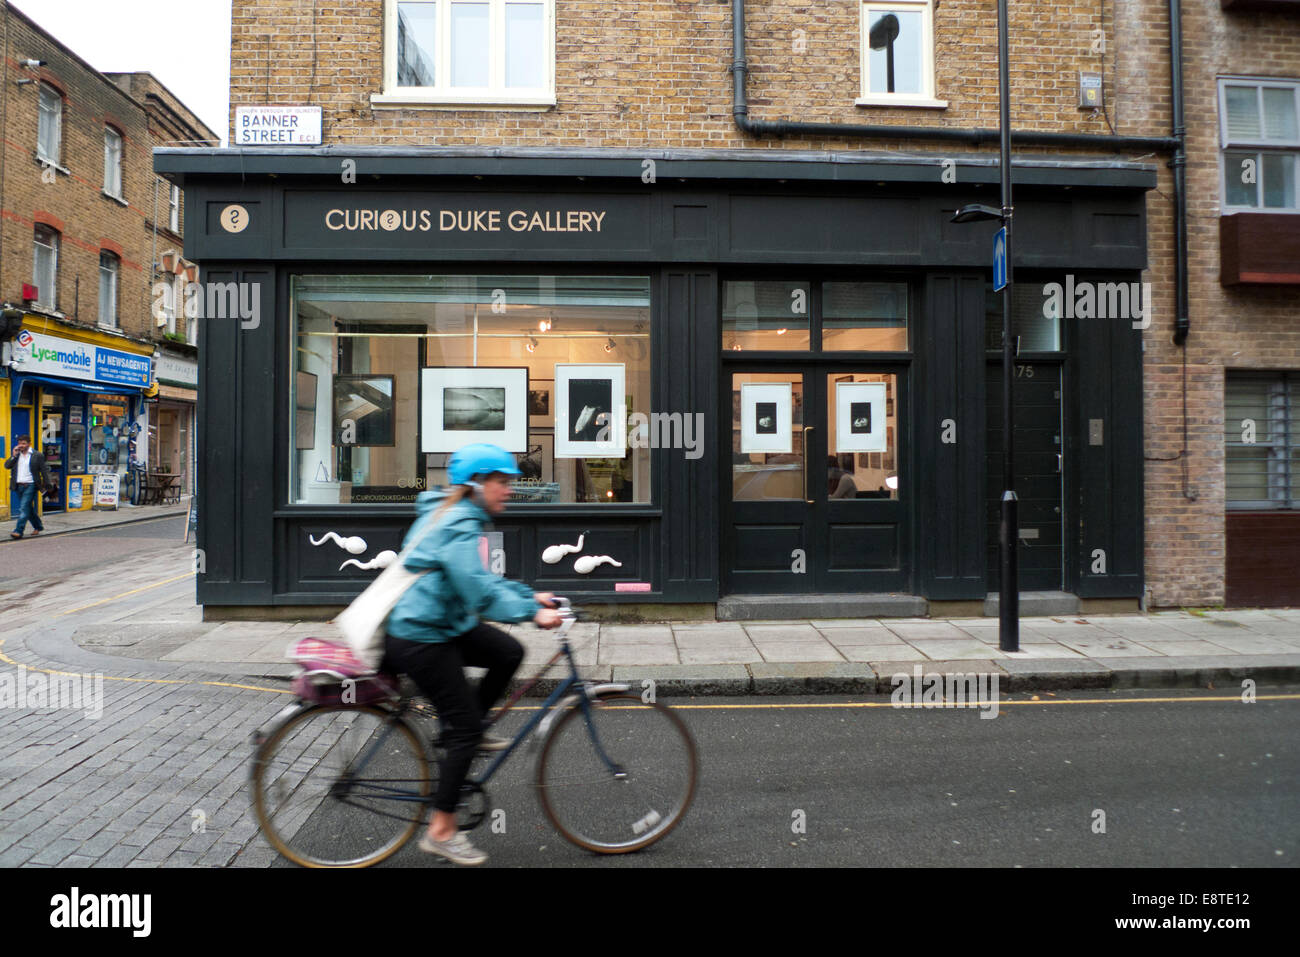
(392, 374)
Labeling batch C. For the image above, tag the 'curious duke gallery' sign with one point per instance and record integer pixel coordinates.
(391, 219)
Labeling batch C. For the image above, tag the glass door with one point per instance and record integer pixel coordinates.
(815, 497)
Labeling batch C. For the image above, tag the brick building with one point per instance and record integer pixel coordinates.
(739, 210)
(88, 229)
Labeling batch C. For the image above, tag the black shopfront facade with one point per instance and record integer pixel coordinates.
(805, 347)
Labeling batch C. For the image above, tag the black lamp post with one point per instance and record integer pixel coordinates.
(1009, 524)
(882, 36)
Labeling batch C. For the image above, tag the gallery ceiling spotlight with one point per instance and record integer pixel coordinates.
(610, 344)
(532, 344)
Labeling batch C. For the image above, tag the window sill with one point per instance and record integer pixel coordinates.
(107, 328)
(436, 101)
(42, 162)
(117, 199)
(917, 102)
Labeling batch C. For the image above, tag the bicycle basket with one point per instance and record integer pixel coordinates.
(332, 674)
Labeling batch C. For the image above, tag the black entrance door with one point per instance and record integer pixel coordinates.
(813, 495)
(1039, 468)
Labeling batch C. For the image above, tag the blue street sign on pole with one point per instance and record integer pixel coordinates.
(1000, 259)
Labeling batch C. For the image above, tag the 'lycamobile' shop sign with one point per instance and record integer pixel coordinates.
(37, 354)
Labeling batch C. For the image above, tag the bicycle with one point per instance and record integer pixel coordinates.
(373, 759)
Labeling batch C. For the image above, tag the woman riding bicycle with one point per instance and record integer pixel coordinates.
(435, 630)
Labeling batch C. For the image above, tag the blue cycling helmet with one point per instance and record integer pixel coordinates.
(481, 458)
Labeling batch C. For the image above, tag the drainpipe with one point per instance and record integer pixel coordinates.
(1166, 144)
(1182, 322)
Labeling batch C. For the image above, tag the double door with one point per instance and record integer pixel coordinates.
(815, 485)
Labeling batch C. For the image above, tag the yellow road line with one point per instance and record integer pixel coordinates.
(153, 681)
(133, 591)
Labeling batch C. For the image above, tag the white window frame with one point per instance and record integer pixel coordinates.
(57, 119)
(1259, 146)
(494, 96)
(169, 302)
(48, 293)
(174, 209)
(113, 162)
(926, 98)
(115, 274)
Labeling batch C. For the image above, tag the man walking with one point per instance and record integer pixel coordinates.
(28, 478)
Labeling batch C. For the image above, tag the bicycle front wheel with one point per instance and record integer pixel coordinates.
(616, 774)
(340, 786)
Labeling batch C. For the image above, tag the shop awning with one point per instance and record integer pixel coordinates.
(72, 385)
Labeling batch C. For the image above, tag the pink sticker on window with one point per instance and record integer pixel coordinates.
(631, 586)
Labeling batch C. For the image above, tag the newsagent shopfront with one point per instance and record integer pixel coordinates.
(772, 376)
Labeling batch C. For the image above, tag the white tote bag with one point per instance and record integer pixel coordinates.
(362, 622)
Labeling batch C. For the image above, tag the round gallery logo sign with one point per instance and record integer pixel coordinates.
(234, 218)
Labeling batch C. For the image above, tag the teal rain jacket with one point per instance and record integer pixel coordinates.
(458, 591)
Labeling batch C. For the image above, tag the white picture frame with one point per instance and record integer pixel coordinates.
(463, 405)
(584, 393)
(860, 419)
(766, 417)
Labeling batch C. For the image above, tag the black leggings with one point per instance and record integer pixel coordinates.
(438, 669)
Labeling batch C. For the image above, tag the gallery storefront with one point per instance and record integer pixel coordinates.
(80, 394)
(744, 374)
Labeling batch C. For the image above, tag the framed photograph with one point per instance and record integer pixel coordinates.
(860, 417)
(538, 464)
(363, 410)
(304, 412)
(541, 394)
(590, 415)
(462, 405)
(766, 417)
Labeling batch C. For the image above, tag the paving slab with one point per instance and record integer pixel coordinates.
(798, 651)
(635, 634)
(789, 631)
(706, 656)
(942, 650)
(898, 653)
(658, 654)
(911, 631)
(849, 637)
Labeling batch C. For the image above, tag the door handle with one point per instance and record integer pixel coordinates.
(807, 472)
(1059, 457)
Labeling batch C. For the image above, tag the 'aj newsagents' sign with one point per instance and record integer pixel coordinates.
(37, 354)
(277, 125)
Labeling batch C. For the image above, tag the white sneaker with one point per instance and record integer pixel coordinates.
(456, 848)
(490, 742)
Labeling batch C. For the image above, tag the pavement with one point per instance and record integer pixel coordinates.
(61, 522)
(837, 656)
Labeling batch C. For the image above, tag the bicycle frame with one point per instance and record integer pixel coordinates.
(565, 689)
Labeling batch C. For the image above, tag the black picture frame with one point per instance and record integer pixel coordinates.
(371, 407)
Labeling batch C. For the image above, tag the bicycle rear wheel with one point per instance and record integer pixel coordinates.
(340, 785)
(616, 775)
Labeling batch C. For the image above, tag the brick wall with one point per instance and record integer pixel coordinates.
(1231, 327)
(88, 220)
(656, 74)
